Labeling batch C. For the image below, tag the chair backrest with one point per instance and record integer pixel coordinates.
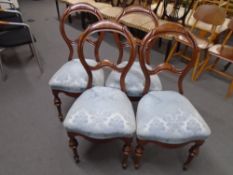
(139, 13)
(176, 10)
(171, 29)
(212, 15)
(79, 7)
(112, 27)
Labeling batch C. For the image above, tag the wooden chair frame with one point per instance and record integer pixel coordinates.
(202, 14)
(171, 29)
(212, 67)
(80, 7)
(101, 27)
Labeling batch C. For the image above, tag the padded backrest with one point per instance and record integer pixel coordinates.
(174, 30)
(79, 7)
(103, 27)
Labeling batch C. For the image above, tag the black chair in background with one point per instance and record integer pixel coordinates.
(13, 33)
(175, 11)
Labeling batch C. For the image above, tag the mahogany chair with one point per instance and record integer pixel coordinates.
(209, 14)
(222, 52)
(103, 114)
(167, 118)
(135, 78)
(71, 79)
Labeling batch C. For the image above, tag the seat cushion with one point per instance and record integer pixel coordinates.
(225, 52)
(72, 77)
(134, 80)
(169, 117)
(102, 113)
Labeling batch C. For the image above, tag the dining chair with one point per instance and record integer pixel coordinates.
(135, 79)
(222, 52)
(175, 11)
(14, 32)
(167, 118)
(207, 14)
(103, 114)
(71, 78)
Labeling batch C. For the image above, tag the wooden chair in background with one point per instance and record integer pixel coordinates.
(222, 52)
(167, 118)
(209, 14)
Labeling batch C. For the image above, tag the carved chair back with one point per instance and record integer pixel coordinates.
(103, 27)
(176, 10)
(175, 30)
(72, 42)
(209, 14)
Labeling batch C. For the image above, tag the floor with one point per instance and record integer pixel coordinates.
(33, 141)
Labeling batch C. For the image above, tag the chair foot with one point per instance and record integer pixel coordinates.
(138, 155)
(126, 153)
(73, 144)
(193, 152)
(57, 103)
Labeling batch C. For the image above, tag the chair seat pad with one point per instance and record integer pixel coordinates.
(73, 78)
(169, 117)
(134, 80)
(225, 52)
(102, 113)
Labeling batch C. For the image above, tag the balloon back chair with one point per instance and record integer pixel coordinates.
(222, 52)
(102, 114)
(135, 79)
(168, 118)
(71, 79)
(208, 15)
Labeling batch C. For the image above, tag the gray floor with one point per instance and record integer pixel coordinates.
(33, 141)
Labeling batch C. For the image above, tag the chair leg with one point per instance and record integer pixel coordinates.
(226, 66)
(203, 67)
(1, 69)
(193, 152)
(230, 90)
(30, 46)
(138, 154)
(195, 68)
(73, 144)
(169, 44)
(35, 53)
(58, 11)
(57, 103)
(126, 152)
(171, 53)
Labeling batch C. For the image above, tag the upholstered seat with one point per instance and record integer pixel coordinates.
(134, 80)
(102, 113)
(72, 77)
(169, 117)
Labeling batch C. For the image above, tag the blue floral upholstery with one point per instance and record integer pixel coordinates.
(169, 117)
(72, 77)
(134, 80)
(102, 113)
